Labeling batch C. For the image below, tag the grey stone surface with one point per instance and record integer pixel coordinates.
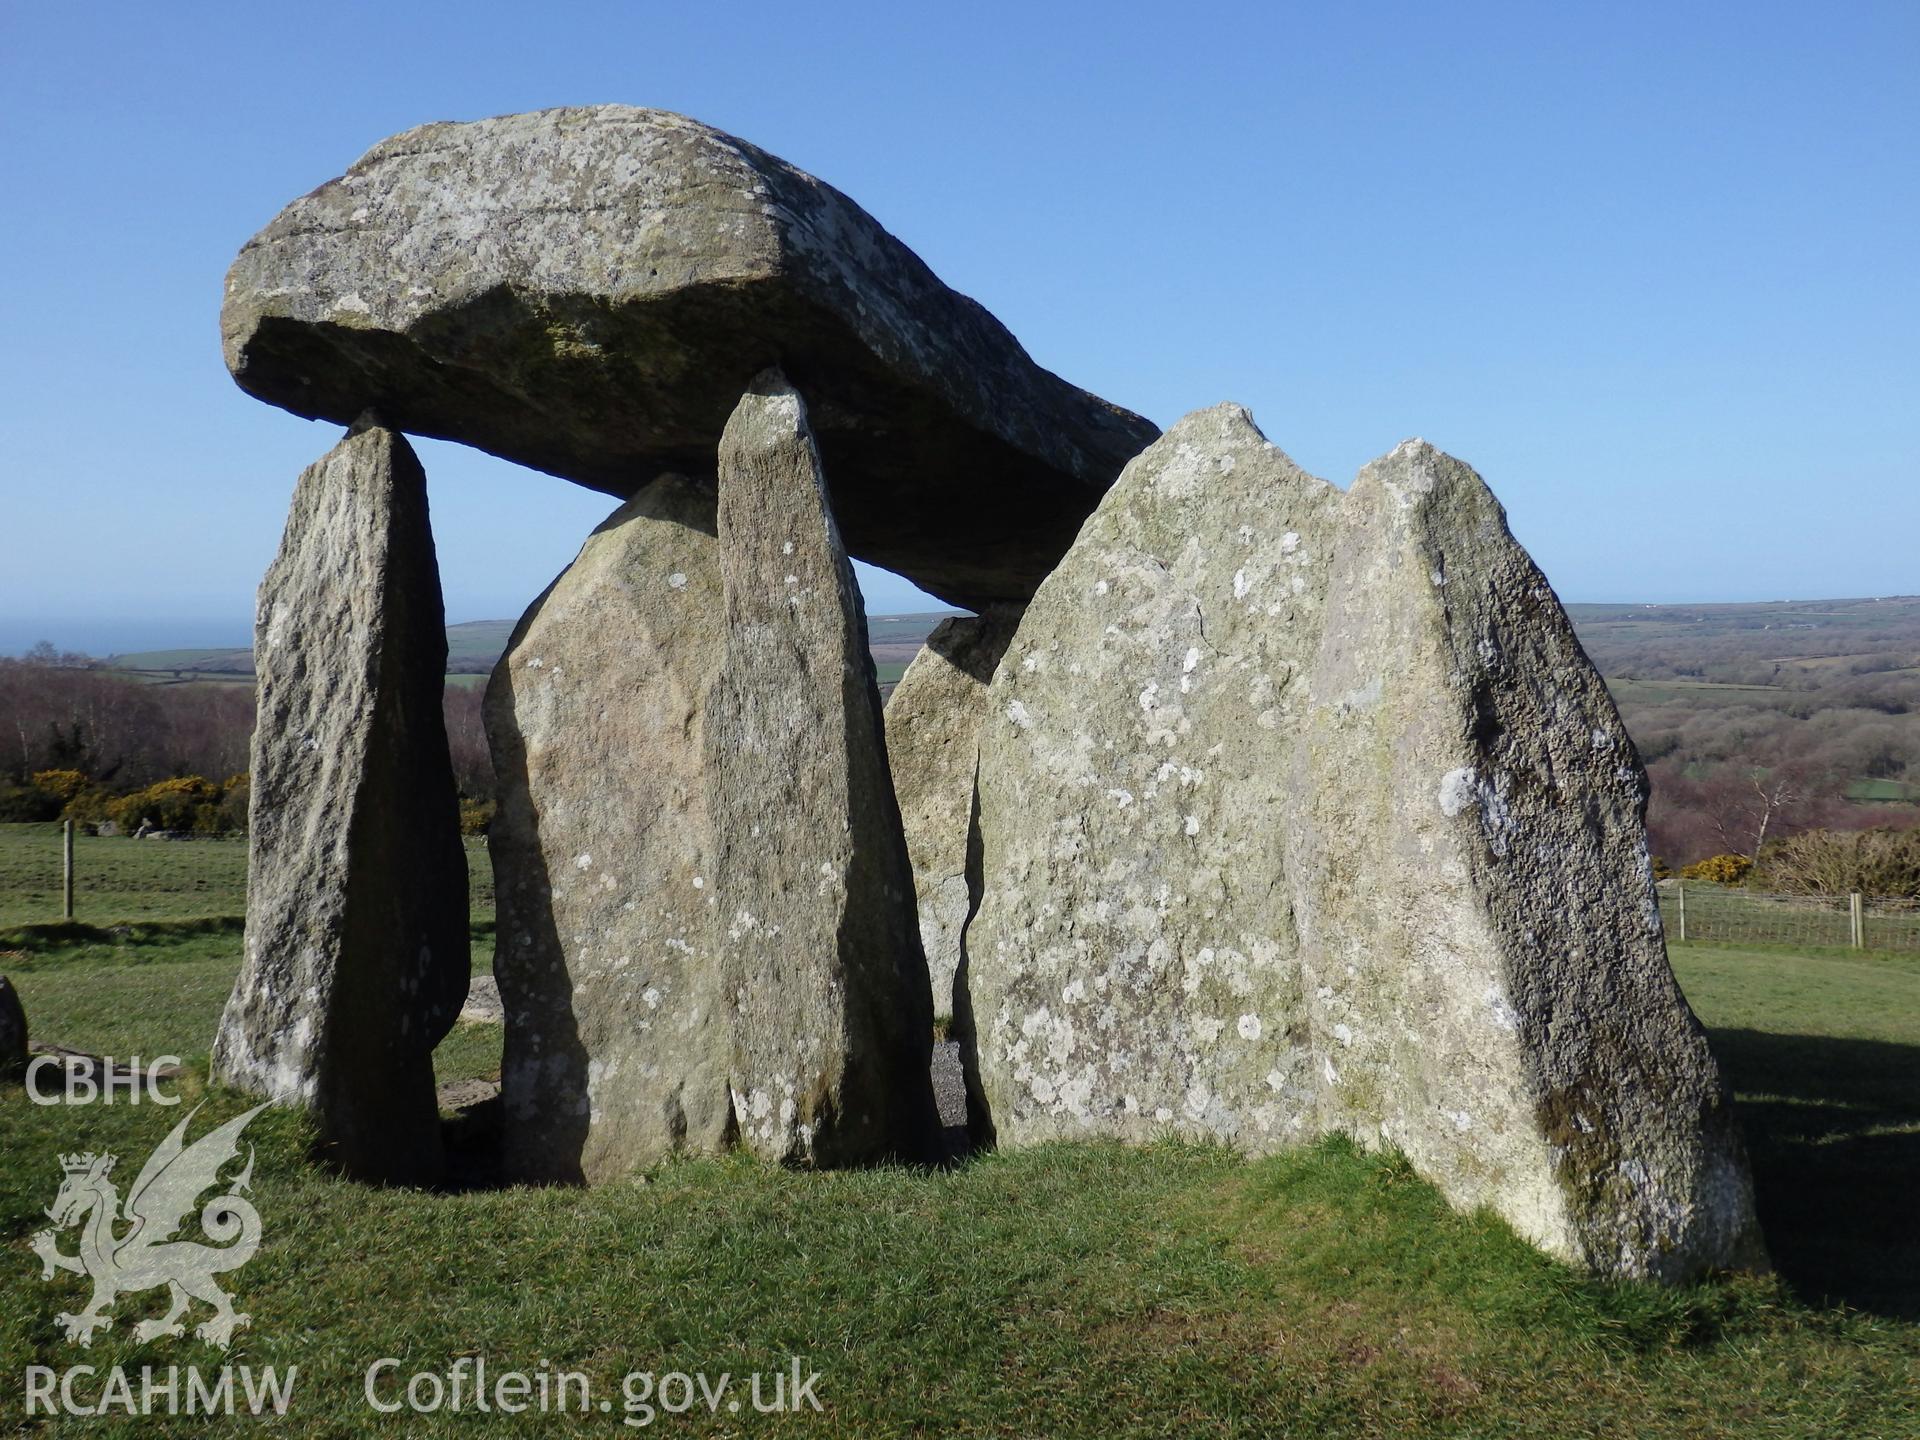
(356, 942)
(1486, 977)
(1304, 813)
(587, 291)
(13, 1032)
(933, 734)
(949, 1086)
(831, 1013)
(482, 1005)
(1133, 966)
(603, 854)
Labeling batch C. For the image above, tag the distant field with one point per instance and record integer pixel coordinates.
(119, 880)
(477, 644)
(122, 881)
(1895, 791)
(1699, 692)
(163, 661)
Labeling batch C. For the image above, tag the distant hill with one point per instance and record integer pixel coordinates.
(1650, 650)
(476, 647)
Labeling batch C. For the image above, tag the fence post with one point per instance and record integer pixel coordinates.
(66, 870)
(1856, 913)
(1680, 889)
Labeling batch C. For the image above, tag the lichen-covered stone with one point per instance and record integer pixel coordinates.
(1486, 977)
(586, 290)
(933, 742)
(617, 1043)
(1302, 813)
(1132, 966)
(356, 944)
(832, 1018)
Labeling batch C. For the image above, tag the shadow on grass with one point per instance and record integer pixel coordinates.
(65, 934)
(1833, 1131)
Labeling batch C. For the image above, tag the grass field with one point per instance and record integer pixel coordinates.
(1071, 1290)
(1703, 692)
(1733, 915)
(119, 881)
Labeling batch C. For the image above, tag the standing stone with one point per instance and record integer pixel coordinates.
(1132, 968)
(13, 1032)
(616, 1040)
(356, 944)
(1300, 814)
(933, 745)
(1486, 976)
(832, 1017)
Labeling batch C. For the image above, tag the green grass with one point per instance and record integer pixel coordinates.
(1823, 1052)
(118, 879)
(1887, 791)
(1731, 915)
(160, 990)
(1070, 1290)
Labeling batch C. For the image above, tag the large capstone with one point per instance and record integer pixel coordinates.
(617, 1046)
(1485, 970)
(933, 733)
(831, 1013)
(356, 941)
(1133, 965)
(587, 291)
(1302, 813)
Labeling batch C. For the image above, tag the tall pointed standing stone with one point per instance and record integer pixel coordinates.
(832, 1015)
(1485, 971)
(356, 944)
(616, 1039)
(1305, 813)
(1132, 966)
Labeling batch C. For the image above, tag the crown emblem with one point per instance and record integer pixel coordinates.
(81, 1164)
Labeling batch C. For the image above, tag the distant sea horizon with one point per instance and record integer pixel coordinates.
(101, 638)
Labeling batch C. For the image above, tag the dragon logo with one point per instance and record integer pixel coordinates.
(146, 1256)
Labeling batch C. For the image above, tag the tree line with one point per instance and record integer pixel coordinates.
(1737, 769)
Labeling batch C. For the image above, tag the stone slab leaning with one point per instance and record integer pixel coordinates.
(617, 1046)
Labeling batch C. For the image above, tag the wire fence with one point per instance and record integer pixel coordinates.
(1694, 911)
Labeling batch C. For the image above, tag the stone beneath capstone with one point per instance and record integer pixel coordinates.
(617, 1041)
(1132, 968)
(831, 1013)
(933, 733)
(356, 942)
(13, 1032)
(1484, 968)
(1302, 813)
(587, 290)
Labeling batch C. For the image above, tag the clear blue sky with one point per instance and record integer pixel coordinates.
(1650, 268)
